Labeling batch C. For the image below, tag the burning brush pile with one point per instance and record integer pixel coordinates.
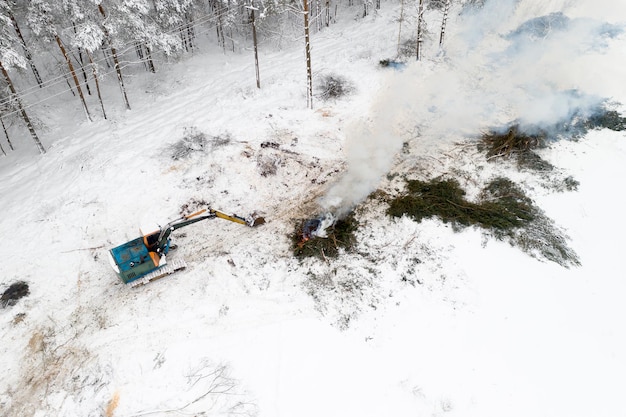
(324, 236)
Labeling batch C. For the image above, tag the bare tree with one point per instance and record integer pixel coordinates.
(27, 54)
(42, 22)
(94, 71)
(307, 51)
(327, 12)
(6, 134)
(400, 20)
(444, 21)
(420, 29)
(81, 62)
(256, 45)
(73, 73)
(5, 107)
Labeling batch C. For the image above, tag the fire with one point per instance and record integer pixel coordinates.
(309, 230)
(316, 228)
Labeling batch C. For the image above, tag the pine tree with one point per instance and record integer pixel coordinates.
(130, 22)
(7, 7)
(17, 99)
(9, 58)
(176, 16)
(116, 63)
(41, 19)
(88, 38)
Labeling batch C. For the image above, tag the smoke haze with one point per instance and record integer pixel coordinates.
(531, 62)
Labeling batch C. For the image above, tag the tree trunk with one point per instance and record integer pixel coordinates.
(420, 29)
(73, 73)
(191, 35)
(318, 14)
(82, 68)
(116, 62)
(139, 52)
(444, 21)
(29, 125)
(221, 38)
(400, 25)
(82, 63)
(327, 12)
(107, 58)
(232, 39)
(6, 134)
(256, 47)
(67, 81)
(27, 53)
(307, 51)
(149, 59)
(182, 32)
(95, 78)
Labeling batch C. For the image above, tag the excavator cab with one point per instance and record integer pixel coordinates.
(133, 260)
(151, 240)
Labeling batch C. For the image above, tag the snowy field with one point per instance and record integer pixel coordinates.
(419, 321)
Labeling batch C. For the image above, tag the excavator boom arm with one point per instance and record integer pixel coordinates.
(232, 218)
(198, 216)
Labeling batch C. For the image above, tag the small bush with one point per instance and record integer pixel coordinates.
(531, 161)
(268, 164)
(570, 184)
(608, 119)
(600, 118)
(408, 47)
(270, 144)
(333, 86)
(15, 291)
(194, 140)
(193, 205)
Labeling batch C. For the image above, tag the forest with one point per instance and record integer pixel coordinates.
(50, 48)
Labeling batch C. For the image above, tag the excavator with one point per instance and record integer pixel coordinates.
(144, 259)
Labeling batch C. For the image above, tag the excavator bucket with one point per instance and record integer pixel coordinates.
(255, 220)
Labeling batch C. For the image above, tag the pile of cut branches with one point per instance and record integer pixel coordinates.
(502, 210)
(511, 142)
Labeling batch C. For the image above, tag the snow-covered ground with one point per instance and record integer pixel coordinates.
(422, 321)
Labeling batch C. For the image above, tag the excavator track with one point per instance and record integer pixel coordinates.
(167, 269)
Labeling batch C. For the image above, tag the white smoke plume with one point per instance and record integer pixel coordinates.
(535, 63)
(370, 148)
